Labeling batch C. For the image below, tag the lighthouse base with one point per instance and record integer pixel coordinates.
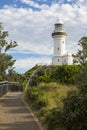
(65, 59)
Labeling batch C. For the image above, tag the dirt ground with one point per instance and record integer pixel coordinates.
(14, 114)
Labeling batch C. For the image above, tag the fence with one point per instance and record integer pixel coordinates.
(6, 86)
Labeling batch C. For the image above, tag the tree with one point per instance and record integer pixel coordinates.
(14, 76)
(75, 105)
(4, 45)
(81, 55)
(75, 110)
(81, 78)
(6, 61)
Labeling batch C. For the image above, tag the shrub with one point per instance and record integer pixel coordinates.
(81, 79)
(54, 120)
(24, 84)
(75, 112)
(45, 79)
(65, 73)
(31, 94)
(46, 99)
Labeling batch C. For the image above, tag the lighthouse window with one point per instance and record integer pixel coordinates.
(58, 60)
(58, 48)
(63, 41)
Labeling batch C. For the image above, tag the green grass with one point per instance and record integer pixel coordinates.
(47, 97)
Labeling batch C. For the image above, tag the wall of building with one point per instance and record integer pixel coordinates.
(65, 59)
(59, 45)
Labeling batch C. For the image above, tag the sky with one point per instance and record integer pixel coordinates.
(31, 22)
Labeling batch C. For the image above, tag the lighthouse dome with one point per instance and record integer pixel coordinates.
(59, 21)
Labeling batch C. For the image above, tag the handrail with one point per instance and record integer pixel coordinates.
(6, 86)
(3, 82)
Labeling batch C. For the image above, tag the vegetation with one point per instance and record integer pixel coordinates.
(53, 73)
(59, 106)
(28, 74)
(6, 61)
(81, 55)
(46, 98)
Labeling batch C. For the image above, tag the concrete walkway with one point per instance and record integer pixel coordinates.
(14, 115)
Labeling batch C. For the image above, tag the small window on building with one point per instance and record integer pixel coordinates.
(63, 41)
(58, 60)
(58, 48)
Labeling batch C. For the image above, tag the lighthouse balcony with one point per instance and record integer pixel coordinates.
(59, 33)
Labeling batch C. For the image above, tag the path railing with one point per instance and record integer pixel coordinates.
(6, 86)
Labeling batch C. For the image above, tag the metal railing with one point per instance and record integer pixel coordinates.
(4, 88)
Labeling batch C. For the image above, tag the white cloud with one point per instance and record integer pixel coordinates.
(32, 29)
(31, 3)
(30, 62)
(33, 49)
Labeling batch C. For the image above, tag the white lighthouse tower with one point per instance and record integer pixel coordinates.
(60, 55)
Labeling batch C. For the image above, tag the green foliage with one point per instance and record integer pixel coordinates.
(81, 55)
(6, 61)
(58, 106)
(54, 73)
(13, 76)
(4, 45)
(24, 84)
(73, 114)
(75, 110)
(45, 99)
(54, 120)
(65, 73)
(45, 79)
(30, 72)
(81, 79)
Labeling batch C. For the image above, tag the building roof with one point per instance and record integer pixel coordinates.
(59, 21)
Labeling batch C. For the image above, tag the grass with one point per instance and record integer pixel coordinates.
(46, 97)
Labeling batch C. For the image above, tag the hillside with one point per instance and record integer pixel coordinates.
(58, 96)
(65, 74)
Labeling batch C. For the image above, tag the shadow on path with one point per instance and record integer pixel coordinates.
(14, 115)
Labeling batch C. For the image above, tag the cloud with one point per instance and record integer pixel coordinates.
(33, 49)
(32, 29)
(27, 63)
(31, 3)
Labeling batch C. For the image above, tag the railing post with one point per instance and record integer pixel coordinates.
(4, 88)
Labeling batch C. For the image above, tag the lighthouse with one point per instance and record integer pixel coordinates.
(61, 56)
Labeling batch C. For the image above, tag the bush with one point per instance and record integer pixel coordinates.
(36, 97)
(45, 79)
(65, 73)
(31, 94)
(24, 84)
(81, 79)
(75, 111)
(46, 99)
(54, 73)
(54, 120)
(73, 114)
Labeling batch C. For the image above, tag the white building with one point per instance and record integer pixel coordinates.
(61, 56)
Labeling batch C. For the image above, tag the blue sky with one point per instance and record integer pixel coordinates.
(31, 23)
(20, 3)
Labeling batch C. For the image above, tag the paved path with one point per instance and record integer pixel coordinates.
(14, 115)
